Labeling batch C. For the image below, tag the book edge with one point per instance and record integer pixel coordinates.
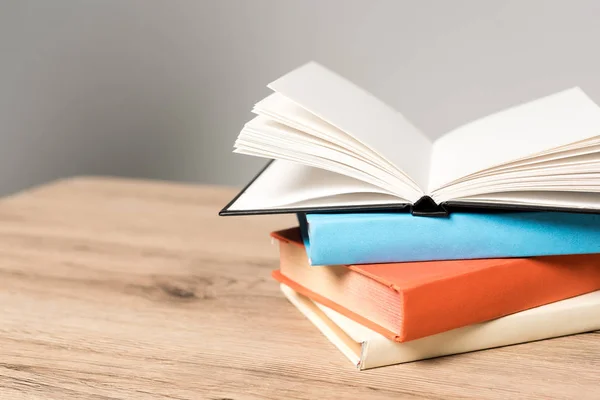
(351, 349)
(417, 350)
(282, 279)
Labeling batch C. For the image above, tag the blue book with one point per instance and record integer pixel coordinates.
(335, 239)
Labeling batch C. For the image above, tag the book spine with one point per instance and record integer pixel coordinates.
(337, 239)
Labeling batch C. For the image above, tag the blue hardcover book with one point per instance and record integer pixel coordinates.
(334, 239)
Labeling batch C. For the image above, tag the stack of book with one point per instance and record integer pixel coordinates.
(408, 248)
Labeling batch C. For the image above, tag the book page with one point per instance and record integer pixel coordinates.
(571, 173)
(284, 111)
(264, 137)
(529, 129)
(558, 199)
(360, 115)
(581, 155)
(285, 184)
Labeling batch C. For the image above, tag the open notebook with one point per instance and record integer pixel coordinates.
(336, 147)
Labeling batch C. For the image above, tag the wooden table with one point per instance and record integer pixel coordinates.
(114, 289)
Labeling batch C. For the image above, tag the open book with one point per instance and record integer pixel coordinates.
(336, 147)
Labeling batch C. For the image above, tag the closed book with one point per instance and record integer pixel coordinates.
(407, 301)
(366, 348)
(335, 239)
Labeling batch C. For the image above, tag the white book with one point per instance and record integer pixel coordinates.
(337, 147)
(367, 349)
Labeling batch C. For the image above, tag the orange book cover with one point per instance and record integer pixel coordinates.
(407, 301)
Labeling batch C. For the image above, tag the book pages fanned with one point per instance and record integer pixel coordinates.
(541, 154)
(360, 115)
(367, 349)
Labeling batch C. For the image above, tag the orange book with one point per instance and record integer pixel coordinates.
(407, 301)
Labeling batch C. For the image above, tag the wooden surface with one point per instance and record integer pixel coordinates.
(114, 289)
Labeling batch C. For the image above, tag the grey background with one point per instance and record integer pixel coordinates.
(160, 89)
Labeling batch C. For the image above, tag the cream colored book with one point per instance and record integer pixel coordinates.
(367, 349)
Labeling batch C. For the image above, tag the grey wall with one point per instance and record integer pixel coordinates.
(160, 89)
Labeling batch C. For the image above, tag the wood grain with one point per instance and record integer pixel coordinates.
(119, 289)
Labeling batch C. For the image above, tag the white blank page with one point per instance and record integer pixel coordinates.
(556, 120)
(284, 111)
(361, 115)
(287, 184)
